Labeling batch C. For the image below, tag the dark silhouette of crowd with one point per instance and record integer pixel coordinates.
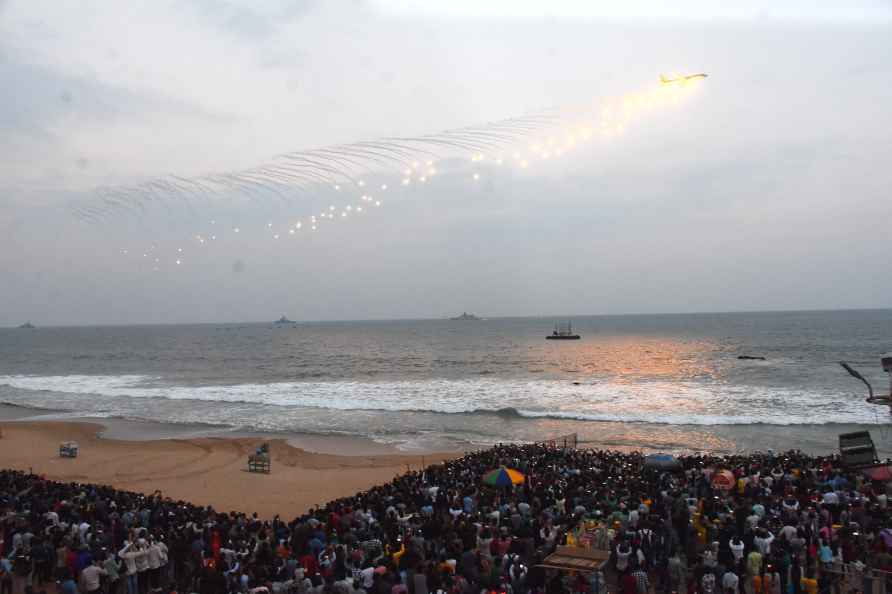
(789, 524)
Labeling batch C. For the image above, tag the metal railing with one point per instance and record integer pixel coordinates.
(851, 576)
(562, 442)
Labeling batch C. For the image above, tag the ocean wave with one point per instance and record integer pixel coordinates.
(665, 403)
(674, 419)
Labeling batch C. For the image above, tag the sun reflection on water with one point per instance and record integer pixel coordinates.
(625, 359)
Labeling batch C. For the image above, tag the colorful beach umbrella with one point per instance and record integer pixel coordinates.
(503, 477)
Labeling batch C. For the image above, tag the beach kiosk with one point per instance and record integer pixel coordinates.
(68, 449)
(259, 461)
(586, 551)
(580, 559)
(857, 450)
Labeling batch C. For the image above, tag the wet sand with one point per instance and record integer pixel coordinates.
(139, 430)
(202, 470)
(728, 439)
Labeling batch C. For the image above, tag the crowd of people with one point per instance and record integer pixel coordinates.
(791, 523)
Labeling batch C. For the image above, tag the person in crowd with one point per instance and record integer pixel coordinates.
(129, 554)
(790, 523)
(91, 578)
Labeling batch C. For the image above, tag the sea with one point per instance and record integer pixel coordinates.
(670, 382)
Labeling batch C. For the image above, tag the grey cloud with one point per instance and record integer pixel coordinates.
(759, 194)
(36, 97)
(259, 19)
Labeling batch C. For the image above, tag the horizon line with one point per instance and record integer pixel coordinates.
(482, 318)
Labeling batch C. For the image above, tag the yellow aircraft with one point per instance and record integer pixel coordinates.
(681, 79)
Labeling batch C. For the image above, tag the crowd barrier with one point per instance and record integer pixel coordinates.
(852, 576)
(563, 442)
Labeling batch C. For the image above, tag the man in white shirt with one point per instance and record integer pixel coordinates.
(156, 555)
(763, 541)
(633, 519)
(788, 532)
(729, 582)
(90, 577)
(737, 548)
(368, 576)
(129, 554)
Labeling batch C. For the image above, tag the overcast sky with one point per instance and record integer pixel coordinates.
(768, 188)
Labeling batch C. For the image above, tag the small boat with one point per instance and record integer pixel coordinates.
(27, 325)
(465, 316)
(283, 321)
(563, 332)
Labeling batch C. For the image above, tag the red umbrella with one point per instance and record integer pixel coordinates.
(723, 480)
(878, 473)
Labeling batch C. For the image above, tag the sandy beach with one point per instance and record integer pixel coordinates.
(207, 465)
(206, 470)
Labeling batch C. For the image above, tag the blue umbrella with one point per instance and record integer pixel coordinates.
(663, 461)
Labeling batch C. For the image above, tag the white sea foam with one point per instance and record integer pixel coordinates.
(679, 403)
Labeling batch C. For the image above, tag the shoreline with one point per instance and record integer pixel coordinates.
(615, 435)
(207, 465)
(138, 430)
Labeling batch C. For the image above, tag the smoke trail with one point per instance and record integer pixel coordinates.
(307, 177)
(305, 173)
(301, 172)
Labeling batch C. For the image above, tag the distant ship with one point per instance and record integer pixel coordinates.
(27, 325)
(465, 316)
(283, 321)
(563, 332)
